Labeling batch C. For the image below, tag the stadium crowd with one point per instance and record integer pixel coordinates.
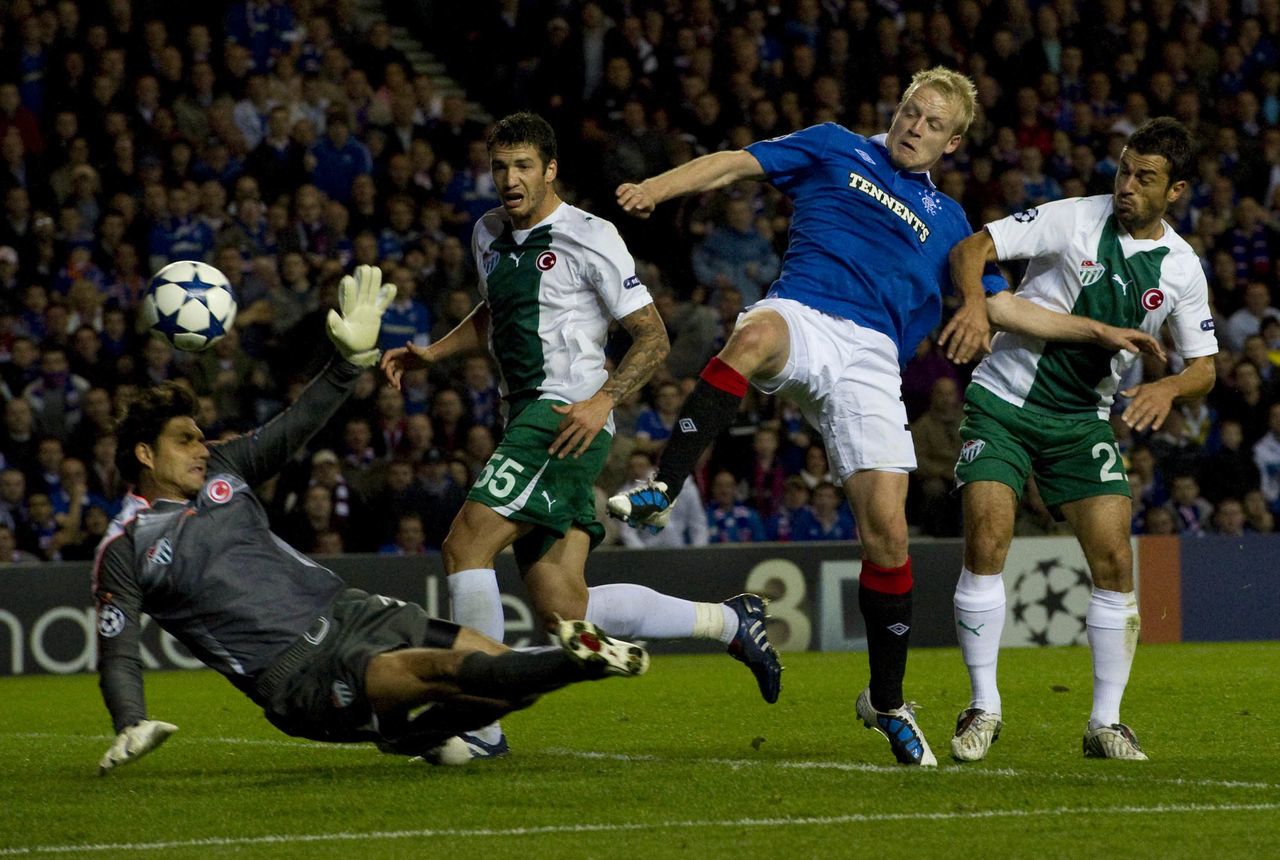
(284, 143)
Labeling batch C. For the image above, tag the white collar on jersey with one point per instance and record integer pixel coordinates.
(880, 139)
(521, 234)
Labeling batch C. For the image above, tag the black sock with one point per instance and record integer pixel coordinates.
(888, 621)
(434, 726)
(707, 412)
(516, 675)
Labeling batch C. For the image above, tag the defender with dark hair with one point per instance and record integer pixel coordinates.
(1166, 137)
(193, 550)
(1042, 408)
(552, 279)
(527, 129)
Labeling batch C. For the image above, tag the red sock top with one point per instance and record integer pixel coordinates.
(887, 580)
(717, 374)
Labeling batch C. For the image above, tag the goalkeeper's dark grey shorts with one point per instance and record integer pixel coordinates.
(315, 689)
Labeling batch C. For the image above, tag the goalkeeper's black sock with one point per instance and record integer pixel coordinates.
(516, 675)
(884, 596)
(707, 412)
(439, 722)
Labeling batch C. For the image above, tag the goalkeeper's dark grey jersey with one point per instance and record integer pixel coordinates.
(209, 571)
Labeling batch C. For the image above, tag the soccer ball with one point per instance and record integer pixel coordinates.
(190, 304)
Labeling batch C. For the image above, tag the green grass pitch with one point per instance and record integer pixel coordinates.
(684, 762)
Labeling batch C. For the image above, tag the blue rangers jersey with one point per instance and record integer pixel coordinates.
(869, 242)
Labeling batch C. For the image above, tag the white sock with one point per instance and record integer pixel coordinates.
(476, 601)
(1113, 626)
(636, 612)
(979, 605)
(477, 604)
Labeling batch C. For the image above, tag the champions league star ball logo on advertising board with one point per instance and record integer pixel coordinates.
(1048, 599)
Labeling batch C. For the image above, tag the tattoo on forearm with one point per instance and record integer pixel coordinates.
(648, 350)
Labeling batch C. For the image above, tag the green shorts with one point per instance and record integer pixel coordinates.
(522, 482)
(1071, 457)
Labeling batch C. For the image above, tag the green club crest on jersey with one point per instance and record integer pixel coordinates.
(1090, 272)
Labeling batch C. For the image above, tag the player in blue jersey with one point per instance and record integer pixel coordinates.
(860, 287)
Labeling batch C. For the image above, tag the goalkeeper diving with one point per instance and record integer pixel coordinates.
(193, 549)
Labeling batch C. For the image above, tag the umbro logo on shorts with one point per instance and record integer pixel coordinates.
(687, 426)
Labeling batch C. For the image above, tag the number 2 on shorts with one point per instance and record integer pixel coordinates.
(1112, 453)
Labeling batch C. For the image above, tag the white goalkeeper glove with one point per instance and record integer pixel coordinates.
(134, 742)
(363, 299)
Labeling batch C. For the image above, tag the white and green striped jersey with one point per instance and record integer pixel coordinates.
(1083, 262)
(552, 291)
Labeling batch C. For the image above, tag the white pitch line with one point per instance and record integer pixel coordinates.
(789, 764)
(633, 826)
(863, 767)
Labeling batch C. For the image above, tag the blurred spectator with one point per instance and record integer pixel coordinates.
(734, 254)
(653, 426)
(13, 498)
(1248, 320)
(1191, 512)
(1266, 456)
(449, 420)
(1146, 481)
(826, 518)
(1159, 521)
(18, 437)
(729, 520)
(407, 320)
(1258, 518)
(936, 434)
(1228, 518)
(357, 453)
(339, 158)
(445, 496)
(765, 476)
(481, 389)
(1229, 471)
(390, 420)
(177, 235)
(10, 553)
(312, 517)
(795, 500)
(1244, 399)
(409, 537)
(816, 468)
(692, 329)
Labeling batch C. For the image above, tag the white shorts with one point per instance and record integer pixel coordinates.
(846, 381)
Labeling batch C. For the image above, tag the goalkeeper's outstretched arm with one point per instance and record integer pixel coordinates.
(259, 455)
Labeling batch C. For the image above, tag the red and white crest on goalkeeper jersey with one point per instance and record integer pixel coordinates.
(219, 490)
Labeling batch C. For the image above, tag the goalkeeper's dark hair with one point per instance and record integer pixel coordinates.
(528, 128)
(1166, 136)
(144, 421)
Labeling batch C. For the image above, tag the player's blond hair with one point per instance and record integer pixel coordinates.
(954, 87)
